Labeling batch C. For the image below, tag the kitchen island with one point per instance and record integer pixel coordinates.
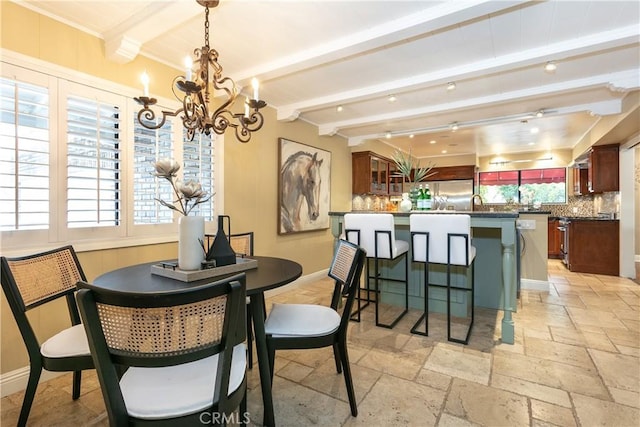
(494, 236)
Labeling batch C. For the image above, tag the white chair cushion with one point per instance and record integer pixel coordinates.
(439, 226)
(401, 247)
(155, 393)
(301, 320)
(69, 342)
(368, 224)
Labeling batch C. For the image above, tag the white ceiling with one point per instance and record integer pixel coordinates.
(313, 55)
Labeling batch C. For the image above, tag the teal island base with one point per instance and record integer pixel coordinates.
(494, 236)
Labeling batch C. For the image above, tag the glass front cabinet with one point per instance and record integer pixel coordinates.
(374, 174)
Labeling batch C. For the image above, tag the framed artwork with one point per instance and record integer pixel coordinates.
(304, 187)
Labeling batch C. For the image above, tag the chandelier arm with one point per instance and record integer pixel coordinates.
(147, 115)
(242, 134)
(254, 122)
(203, 106)
(221, 121)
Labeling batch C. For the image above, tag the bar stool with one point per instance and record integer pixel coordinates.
(443, 239)
(376, 234)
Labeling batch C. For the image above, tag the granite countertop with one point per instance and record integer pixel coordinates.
(539, 212)
(480, 214)
(587, 218)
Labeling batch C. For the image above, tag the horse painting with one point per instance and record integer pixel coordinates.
(301, 184)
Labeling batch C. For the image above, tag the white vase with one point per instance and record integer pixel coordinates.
(190, 252)
(405, 204)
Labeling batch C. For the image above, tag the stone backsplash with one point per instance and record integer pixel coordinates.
(587, 206)
(372, 203)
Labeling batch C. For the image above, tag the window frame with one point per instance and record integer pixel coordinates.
(520, 184)
(59, 79)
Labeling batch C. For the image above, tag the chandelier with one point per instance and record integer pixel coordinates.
(195, 96)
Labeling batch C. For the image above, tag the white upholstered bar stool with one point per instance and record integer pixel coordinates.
(375, 233)
(443, 239)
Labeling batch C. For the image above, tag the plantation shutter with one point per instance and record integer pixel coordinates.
(150, 146)
(93, 163)
(198, 163)
(24, 156)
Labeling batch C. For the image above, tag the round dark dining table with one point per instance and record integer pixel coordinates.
(271, 273)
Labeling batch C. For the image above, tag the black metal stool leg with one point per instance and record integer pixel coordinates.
(425, 313)
(406, 286)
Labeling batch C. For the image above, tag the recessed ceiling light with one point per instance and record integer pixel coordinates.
(531, 143)
(433, 141)
(392, 98)
(539, 113)
(444, 151)
(534, 130)
(411, 136)
(388, 135)
(339, 108)
(454, 126)
(451, 86)
(550, 66)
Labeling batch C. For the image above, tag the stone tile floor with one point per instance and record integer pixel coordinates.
(576, 362)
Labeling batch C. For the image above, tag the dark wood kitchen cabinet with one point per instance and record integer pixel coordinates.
(603, 169)
(447, 173)
(374, 174)
(580, 181)
(554, 249)
(594, 246)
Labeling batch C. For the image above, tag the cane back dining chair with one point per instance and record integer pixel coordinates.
(305, 326)
(242, 245)
(183, 352)
(29, 282)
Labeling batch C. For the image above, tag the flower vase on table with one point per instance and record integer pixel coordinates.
(190, 228)
(190, 236)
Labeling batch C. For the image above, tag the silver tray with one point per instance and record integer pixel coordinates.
(241, 264)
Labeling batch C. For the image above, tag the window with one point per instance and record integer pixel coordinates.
(76, 166)
(198, 166)
(93, 163)
(24, 156)
(525, 186)
(148, 146)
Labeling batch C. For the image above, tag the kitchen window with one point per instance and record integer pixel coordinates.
(524, 186)
(76, 166)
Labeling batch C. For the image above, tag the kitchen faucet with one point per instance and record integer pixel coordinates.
(473, 201)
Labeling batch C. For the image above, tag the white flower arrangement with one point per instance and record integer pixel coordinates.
(188, 194)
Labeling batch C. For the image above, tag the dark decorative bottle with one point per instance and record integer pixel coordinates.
(220, 250)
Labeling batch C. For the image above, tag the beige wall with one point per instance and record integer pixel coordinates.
(250, 170)
(559, 159)
(637, 199)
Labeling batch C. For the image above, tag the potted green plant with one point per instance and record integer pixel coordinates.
(406, 163)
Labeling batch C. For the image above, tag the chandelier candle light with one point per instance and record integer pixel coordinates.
(196, 95)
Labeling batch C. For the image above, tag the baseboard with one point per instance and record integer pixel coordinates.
(301, 281)
(15, 381)
(534, 285)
